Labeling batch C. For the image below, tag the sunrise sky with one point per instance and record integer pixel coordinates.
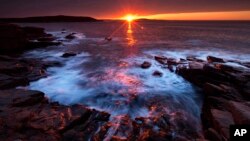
(115, 9)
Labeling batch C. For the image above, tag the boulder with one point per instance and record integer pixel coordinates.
(71, 36)
(157, 73)
(145, 65)
(68, 54)
(162, 60)
(172, 61)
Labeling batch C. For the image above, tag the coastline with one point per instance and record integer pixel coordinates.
(222, 85)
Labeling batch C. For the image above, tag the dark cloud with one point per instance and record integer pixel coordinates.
(112, 8)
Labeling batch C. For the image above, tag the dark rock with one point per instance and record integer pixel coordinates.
(145, 65)
(68, 54)
(172, 61)
(33, 32)
(240, 112)
(161, 60)
(214, 102)
(28, 98)
(228, 68)
(212, 59)
(246, 64)
(46, 39)
(71, 36)
(222, 121)
(196, 65)
(12, 38)
(223, 91)
(213, 135)
(157, 73)
(36, 118)
(34, 45)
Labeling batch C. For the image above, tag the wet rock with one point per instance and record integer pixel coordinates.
(68, 54)
(228, 68)
(222, 121)
(10, 82)
(161, 60)
(240, 112)
(196, 65)
(71, 36)
(145, 65)
(212, 59)
(193, 72)
(172, 61)
(246, 64)
(157, 73)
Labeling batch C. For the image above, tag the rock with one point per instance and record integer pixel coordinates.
(196, 65)
(34, 45)
(222, 121)
(172, 61)
(46, 39)
(145, 65)
(68, 54)
(193, 72)
(214, 102)
(12, 38)
(212, 59)
(157, 73)
(223, 91)
(71, 36)
(246, 64)
(15, 39)
(28, 98)
(34, 32)
(212, 135)
(228, 68)
(36, 118)
(161, 60)
(240, 112)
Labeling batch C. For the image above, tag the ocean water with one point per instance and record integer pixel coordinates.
(107, 76)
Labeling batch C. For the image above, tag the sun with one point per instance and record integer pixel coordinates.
(130, 18)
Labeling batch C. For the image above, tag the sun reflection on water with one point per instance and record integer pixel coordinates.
(130, 38)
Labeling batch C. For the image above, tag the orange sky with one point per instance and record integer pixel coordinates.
(237, 15)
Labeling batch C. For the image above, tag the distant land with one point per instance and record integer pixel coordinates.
(47, 19)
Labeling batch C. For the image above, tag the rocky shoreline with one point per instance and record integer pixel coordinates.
(29, 115)
(226, 88)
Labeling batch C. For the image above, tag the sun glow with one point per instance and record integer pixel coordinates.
(130, 18)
